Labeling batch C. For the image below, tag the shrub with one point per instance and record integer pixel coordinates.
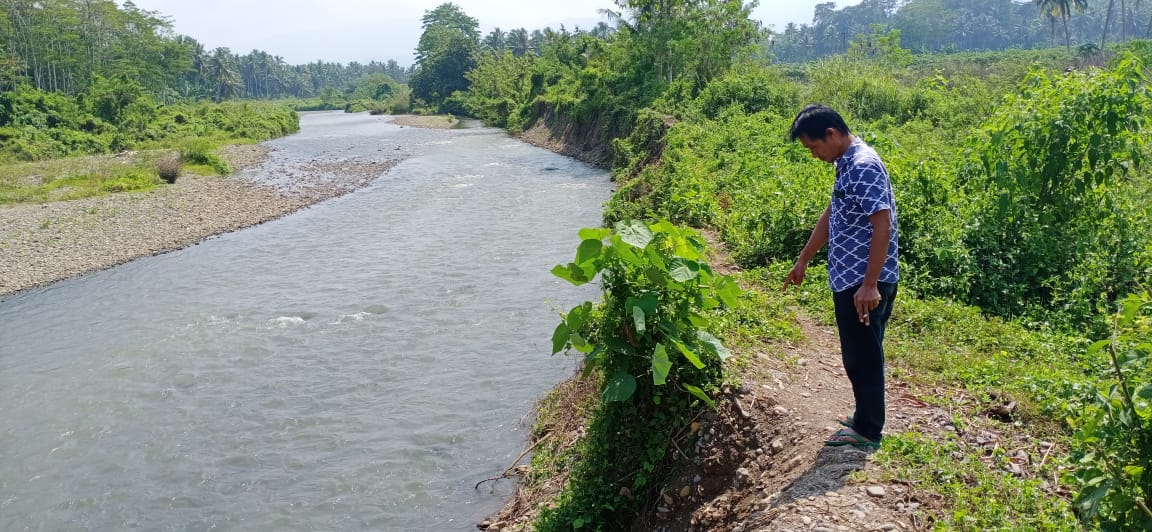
(168, 167)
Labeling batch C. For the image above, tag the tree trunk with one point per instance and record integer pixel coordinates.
(1107, 21)
(1067, 36)
(1123, 21)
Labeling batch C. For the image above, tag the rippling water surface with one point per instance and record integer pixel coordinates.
(359, 365)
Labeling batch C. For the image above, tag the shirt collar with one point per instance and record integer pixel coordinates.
(849, 153)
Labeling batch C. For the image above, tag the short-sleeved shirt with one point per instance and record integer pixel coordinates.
(862, 189)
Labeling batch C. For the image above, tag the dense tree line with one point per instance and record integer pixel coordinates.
(66, 45)
(964, 25)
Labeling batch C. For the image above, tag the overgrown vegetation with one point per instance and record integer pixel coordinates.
(1023, 214)
(650, 340)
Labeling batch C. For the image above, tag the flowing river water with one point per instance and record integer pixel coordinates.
(358, 365)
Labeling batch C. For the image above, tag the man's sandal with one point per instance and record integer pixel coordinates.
(844, 437)
(845, 421)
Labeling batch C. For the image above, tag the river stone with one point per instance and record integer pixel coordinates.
(876, 491)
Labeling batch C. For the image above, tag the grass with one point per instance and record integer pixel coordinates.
(73, 178)
(954, 357)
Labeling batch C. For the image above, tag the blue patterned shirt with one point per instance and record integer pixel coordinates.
(862, 189)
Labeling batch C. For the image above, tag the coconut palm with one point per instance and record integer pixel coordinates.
(518, 42)
(1062, 9)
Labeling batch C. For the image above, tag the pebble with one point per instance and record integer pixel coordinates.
(876, 491)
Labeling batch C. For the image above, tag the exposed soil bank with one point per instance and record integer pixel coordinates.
(41, 244)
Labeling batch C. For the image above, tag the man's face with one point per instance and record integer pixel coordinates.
(826, 149)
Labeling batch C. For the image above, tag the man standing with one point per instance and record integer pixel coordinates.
(859, 227)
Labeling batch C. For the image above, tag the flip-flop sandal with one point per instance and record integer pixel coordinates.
(845, 421)
(844, 437)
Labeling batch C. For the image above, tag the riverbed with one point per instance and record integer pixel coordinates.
(358, 365)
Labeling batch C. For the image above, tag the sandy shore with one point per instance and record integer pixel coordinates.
(41, 244)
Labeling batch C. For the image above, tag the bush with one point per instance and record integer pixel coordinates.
(168, 167)
(201, 152)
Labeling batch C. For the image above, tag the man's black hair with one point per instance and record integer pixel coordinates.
(813, 122)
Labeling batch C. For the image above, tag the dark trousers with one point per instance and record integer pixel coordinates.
(863, 350)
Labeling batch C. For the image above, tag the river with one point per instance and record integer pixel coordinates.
(358, 365)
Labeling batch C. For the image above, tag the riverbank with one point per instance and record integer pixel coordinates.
(42, 244)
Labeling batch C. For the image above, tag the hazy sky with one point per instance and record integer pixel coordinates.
(341, 31)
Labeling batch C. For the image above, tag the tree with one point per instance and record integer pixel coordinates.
(495, 41)
(1062, 9)
(446, 52)
(518, 42)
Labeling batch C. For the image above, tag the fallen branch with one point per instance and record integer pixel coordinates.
(514, 462)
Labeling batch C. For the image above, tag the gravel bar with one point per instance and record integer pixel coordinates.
(42, 244)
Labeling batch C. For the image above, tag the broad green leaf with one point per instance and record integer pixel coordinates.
(626, 251)
(638, 319)
(634, 233)
(714, 344)
(598, 233)
(656, 258)
(699, 321)
(1145, 392)
(619, 387)
(683, 270)
(650, 302)
(572, 273)
(1133, 471)
(559, 338)
(665, 227)
(588, 251)
(578, 316)
(699, 394)
(688, 354)
(728, 291)
(661, 365)
(580, 344)
(656, 276)
(1097, 346)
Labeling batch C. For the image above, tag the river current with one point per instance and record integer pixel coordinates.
(358, 365)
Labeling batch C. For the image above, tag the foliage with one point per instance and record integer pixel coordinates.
(650, 340)
(201, 152)
(446, 52)
(500, 85)
(118, 115)
(1114, 433)
(1055, 227)
(947, 26)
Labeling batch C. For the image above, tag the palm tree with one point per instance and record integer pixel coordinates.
(223, 75)
(518, 42)
(495, 41)
(1062, 9)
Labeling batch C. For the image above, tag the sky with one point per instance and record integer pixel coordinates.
(342, 31)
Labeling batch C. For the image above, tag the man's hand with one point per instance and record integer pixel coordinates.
(867, 298)
(796, 276)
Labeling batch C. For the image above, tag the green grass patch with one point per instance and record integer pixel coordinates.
(73, 178)
(976, 491)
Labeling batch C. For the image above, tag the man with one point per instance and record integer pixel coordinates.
(860, 227)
